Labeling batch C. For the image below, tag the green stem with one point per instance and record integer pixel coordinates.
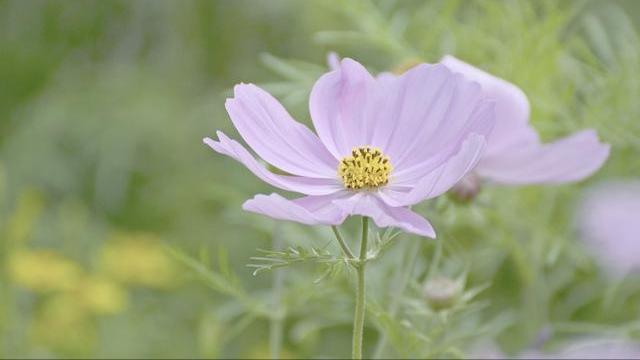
(343, 244)
(610, 293)
(358, 319)
(435, 260)
(275, 336)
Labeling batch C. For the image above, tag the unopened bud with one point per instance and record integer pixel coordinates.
(466, 189)
(442, 292)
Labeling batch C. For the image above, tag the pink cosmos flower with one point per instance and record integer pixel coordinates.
(581, 348)
(514, 154)
(590, 348)
(609, 224)
(600, 348)
(382, 144)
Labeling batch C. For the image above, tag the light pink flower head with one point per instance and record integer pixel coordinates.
(382, 144)
(602, 348)
(609, 223)
(514, 154)
(590, 348)
(581, 348)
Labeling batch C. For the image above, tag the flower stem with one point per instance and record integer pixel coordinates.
(275, 336)
(358, 319)
(343, 244)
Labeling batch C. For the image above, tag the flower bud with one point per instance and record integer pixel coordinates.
(466, 189)
(442, 292)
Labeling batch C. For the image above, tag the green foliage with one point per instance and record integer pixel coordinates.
(103, 105)
(290, 256)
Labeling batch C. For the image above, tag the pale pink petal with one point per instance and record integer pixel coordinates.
(409, 106)
(512, 106)
(435, 115)
(608, 223)
(276, 137)
(384, 79)
(333, 209)
(333, 60)
(570, 159)
(592, 347)
(386, 216)
(303, 185)
(339, 107)
(418, 119)
(442, 178)
(601, 347)
(310, 210)
(514, 154)
(427, 114)
(480, 122)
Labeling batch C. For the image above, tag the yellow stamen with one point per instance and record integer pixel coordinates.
(367, 167)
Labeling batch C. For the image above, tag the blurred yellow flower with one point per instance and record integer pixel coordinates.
(138, 259)
(261, 351)
(21, 221)
(102, 296)
(63, 325)
(43, 270)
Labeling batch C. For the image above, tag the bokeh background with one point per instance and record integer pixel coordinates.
(122, 235)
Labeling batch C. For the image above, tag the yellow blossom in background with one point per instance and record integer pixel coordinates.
(262, 351)
(21, 221)
(138, 259)
(102, 296)
(65, 320)
(63, 325)
(43, 270)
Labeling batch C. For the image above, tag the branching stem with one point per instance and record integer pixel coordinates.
(343, 244)
(358, 319)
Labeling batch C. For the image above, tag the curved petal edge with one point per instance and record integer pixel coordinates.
(303, 185)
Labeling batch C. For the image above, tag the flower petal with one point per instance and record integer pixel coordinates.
(442, 178)
(384, 215)
(411, 117)
(479, 122)
(429, 108)
(512, 106)
(304, 185)
(338, 105)
(310, 210)
(608, 224)
(570, 159)
(333, 60)
(276, 137)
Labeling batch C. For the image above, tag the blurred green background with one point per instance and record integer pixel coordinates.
(122, 235)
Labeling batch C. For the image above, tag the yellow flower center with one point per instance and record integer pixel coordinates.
(366, 168)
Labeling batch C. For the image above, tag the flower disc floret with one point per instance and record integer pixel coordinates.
(366, 168)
